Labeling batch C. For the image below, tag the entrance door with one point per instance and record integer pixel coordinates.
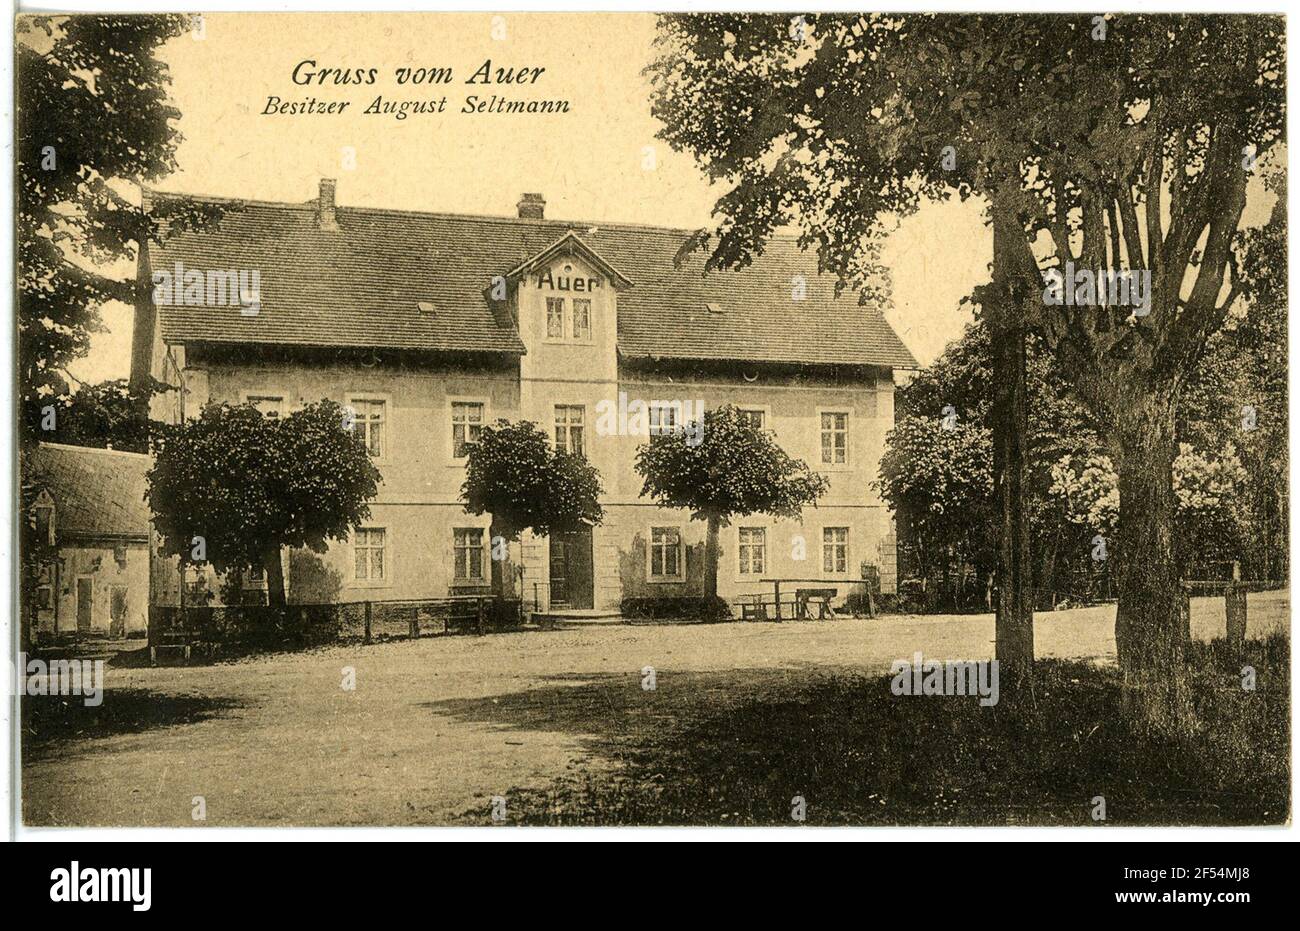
(85, 602)
(571, 569)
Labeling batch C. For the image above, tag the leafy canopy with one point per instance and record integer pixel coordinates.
(249, 485)
(109, 413)
(94, 119)
(516, 474)
(733, 470)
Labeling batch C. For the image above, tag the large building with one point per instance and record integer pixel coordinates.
(430, 325)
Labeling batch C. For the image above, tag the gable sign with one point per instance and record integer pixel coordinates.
(568, 278)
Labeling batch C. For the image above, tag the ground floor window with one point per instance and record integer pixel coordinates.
(665, 552)
(467, 545)
(370, 554)
(835, 549)
(752, 550)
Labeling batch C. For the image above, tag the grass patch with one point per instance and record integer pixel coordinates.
(860, 755)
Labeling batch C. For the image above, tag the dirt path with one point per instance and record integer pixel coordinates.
(436, 727)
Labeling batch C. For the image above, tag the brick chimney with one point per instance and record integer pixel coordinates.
(532, 207)
(325, 205)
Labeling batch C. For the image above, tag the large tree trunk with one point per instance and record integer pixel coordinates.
(274, 578)
(501, 572)
(711, 558)
(1152, 626)
(1005, 312)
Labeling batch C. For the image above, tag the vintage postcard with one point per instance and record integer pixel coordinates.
(631, 419)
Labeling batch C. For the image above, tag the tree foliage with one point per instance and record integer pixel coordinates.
(937, 477)
(1073, 485)
(514, 472)
(94, 120)
(247, 486)
(1120, 149)
(729, 469)
(107, 414)
(735, 469)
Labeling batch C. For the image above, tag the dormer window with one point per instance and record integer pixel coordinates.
(555, 318)
(568, 320)
(581, 319)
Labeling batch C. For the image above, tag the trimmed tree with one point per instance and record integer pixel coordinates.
(514, 473)
(731, 469)
(233, 488)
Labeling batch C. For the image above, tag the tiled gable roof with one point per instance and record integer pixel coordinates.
(96, 492)
(362, 286)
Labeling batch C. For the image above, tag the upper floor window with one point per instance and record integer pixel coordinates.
(665, 553)
(268, 405)
(369, 551)
(466, 424)
(835, 549)
(752, 550)
(663, 418)
(835, 438)
(555, 318)
(368, 423)
(568, 320)
(755, 417)
(581, 319)
(569, 428)
(467, 547)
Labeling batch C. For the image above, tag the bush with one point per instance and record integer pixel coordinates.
(688, 607)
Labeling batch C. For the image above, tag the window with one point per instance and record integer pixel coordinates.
(835, 549)
(255, 577)
(581, 319)
(268, 405)
(665, 552)
(569, 428)
(663, 418)
(368, 551)
(466, 424)
(43, 517)
(835, 438)
(571, 322)
(369, 424)
(467, 544)
(45, 591)
(555, 318)
(752, 550)
(755, 417)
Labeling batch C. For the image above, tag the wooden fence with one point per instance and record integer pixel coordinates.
(253, 628)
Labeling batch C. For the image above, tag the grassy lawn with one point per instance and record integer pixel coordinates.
(856, 754)
(743, 718)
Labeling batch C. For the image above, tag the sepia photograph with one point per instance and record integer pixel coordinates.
(695, 420)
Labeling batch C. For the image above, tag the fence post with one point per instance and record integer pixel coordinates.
(480, 615)
(776, 591)
(367, 622)
(415, 622)
(1234, 607)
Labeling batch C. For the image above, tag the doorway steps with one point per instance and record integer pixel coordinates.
(577, 617)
